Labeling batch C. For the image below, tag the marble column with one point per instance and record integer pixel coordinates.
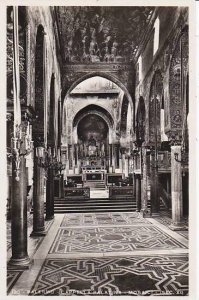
(76, 154)
(123, 163)
(155, 200)
(176, 188)
(126, 168)
(113, 158)
(138, 191)
(70, 156)
(134, 185)
(38, 195)
(144, 202)
(50, 194)
(19, 217)
(110, 154)
(62, 186)
(117, 156)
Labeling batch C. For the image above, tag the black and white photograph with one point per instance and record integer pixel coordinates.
(97, 149)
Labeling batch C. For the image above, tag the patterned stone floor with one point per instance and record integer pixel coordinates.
(100, 219)
(165, 219)
(12, 277)
(106, 254)
(148, 275)
(112, 239)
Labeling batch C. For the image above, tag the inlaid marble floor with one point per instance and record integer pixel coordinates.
(106, 254)
(141, 275)
(100, 219)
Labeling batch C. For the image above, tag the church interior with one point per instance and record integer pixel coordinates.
(97, 150)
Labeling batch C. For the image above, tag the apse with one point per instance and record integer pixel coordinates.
(92, 127)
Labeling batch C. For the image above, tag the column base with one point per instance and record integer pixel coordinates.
(38, 233)
(145, 212)
(21, 263)
(49, 218)
(178, 227)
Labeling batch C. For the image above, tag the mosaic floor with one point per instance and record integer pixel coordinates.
(89, 219)
(112, 239)
(160, 275)
(166, 220)
(12, 277)
(106, 254)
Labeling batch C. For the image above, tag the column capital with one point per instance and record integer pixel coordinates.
(175, 137)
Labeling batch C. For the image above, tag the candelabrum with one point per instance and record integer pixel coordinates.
(21, 145)
(59, 167)
(47, 160)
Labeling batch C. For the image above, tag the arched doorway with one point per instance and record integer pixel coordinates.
(97, 97)
(108, 76)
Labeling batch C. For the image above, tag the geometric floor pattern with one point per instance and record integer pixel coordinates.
(105, 254)
(12, 277)
(110, 218)
(139, 275)
(112, 239)
(166, 220)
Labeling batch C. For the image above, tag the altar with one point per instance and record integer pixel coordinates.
(94, 173)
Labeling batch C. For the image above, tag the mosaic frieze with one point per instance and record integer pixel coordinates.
(101, 34)
(177, 77)
(154, 108)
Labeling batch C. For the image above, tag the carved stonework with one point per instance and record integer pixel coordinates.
(175, 137)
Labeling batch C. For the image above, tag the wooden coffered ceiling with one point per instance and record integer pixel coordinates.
(101, 34)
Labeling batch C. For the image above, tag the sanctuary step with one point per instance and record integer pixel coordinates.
(94, 205)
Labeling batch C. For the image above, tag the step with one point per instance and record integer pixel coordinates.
(95, 204)
(92, 207)
(94, 201)
(115, 209)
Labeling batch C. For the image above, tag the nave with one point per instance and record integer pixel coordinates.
(105, 254)
(97, 149)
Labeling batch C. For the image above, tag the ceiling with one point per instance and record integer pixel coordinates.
(101, 34)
